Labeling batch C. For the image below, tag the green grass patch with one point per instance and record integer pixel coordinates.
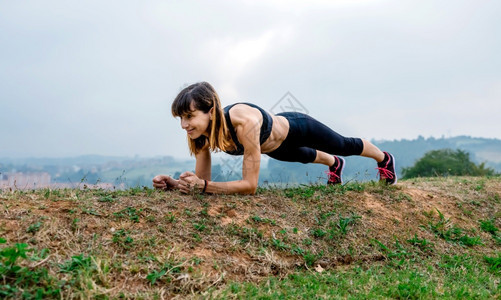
(451, 277)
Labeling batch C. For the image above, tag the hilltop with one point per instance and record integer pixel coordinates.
(146, 243)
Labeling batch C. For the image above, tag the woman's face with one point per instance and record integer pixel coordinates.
(196, 123)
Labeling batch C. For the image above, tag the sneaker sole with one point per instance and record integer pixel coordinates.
(394, 168)
(342, 168)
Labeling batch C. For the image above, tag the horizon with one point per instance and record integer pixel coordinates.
(217, 155)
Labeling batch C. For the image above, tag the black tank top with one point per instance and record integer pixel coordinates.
(265, 127)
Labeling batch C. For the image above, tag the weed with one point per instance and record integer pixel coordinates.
(204, 212)
(258, 219)
(494, 262)
(480, 185)
(403, 196)
(168, 270)
(399, 252)
(85, 272)
(302, 192)
(74, 224)
(35, 227)
(170, 218)
(444, 229)
(311, 258)
(18, 281)
(196, 237)
(307, 242)
(107, 198)
(76, 263)
(322, 218)
(91, 211)
(343, 223)
(488, 226)
(199, 226)
(295, 249)
(129, 212)
(318, 233)
(121, 237)
(279, 244)
(423, 243)
(196, 260)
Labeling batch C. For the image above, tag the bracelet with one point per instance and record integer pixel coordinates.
(205, 186)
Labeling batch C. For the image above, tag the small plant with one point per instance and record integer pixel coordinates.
(199, 226)
(170, 218)
(169, 269)
(35, 227)
(310, 258)
(76, 263)
(295, 249)
(343, 223)
(74, 224)
(303, 192)
(423, 244)
(307, 242)
(399, 252)
(444, 229)
(258, 219)
(122, 238)
(318, 233)
(23, 282)
(404, 197)
(91, 211)
(129, 212)
(279, 244)
(494, 262)
(488, 226)
(106, 198)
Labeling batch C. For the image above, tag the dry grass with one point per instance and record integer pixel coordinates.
(144, 243)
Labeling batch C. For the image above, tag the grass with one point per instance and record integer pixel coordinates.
(411, 280)
(423, 238)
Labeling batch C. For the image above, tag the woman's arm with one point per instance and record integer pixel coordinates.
(203, 165)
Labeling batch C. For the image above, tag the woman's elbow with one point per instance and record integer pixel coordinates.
(250, 189)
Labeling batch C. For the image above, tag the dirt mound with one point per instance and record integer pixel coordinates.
(167, 243)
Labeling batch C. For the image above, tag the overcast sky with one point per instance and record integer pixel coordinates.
(98, 77)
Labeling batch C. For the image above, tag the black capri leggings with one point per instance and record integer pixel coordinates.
(306, 135)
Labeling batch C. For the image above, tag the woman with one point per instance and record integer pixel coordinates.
(246, 129)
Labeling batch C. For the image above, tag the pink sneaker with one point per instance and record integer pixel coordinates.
(336, 171)
(386, 169)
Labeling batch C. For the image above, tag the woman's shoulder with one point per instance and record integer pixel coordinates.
(242, 111)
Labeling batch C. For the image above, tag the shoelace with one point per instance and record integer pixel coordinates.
(332, 176)
(385, 173)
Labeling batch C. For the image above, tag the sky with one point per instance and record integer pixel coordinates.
(98, 77)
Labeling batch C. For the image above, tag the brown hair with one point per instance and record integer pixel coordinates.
(204, 97)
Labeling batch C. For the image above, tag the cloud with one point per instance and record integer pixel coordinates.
(99, 77)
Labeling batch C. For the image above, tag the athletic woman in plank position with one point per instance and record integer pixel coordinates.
(246, 129)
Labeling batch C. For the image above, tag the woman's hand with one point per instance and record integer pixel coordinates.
(188, 182)
(165, 182)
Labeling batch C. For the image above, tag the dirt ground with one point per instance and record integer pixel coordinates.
(207, 240)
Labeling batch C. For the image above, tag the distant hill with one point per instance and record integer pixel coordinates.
(134, 171)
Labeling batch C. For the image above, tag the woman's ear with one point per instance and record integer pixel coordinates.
(211, 111)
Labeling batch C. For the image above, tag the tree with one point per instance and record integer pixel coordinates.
(445, 162)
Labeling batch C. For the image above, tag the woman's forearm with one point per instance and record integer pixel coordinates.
(231, 187)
